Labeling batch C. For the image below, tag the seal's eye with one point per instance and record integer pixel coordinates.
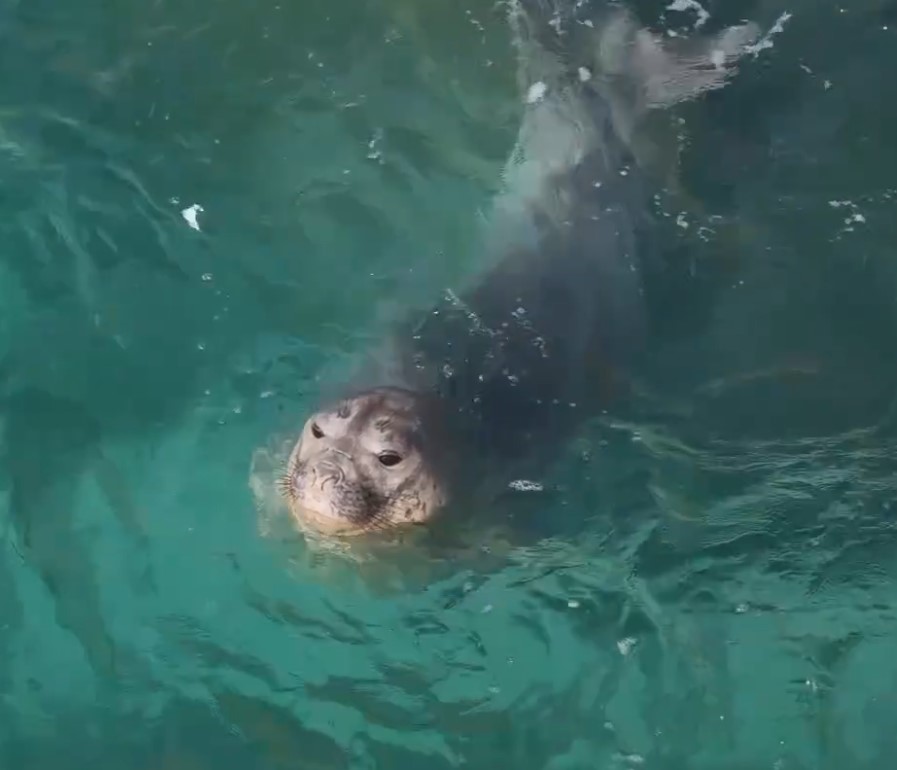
(316, 430)
(389, 459)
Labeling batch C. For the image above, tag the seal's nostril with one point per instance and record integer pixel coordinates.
(334, 479)
(316, 430)
(330, 475)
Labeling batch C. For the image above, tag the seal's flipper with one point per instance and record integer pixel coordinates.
(666, 71)
(637, 72)
(643, 75)
(610, 45)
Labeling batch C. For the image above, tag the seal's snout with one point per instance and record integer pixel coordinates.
(330, 474)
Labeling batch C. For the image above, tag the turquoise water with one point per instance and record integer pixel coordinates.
(719, 591)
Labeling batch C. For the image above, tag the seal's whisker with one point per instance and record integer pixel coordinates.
(379, 521)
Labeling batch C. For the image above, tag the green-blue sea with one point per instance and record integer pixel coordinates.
(208, 209)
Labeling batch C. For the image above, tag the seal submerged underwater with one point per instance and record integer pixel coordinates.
(489, 383)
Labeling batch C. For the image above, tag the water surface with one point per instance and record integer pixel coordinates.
(720, 588)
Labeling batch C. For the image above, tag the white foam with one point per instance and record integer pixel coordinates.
(191, 214)
(536, 92)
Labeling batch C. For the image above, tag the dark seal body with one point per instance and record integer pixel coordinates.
(546, 337)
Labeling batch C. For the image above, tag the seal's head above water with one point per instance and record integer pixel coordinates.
(365, 464)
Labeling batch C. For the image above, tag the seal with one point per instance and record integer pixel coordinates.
(490, 383)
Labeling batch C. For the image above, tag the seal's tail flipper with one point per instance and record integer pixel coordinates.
(587, 49)
(672, 70)
(605, 41)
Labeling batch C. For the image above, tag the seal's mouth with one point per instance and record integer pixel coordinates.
(325, 522)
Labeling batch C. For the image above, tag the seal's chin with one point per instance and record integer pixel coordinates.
(324, 522)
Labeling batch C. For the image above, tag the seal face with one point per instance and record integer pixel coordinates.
(362, 465)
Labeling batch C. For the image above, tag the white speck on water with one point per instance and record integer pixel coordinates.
(718, 58)
(585, 74)
(374, 152)
(487, 609)
(742, 608)
(573, 604)
(681, 221)
(625, 645)
(266, 394)
(207, 277)
(190, 215)
(855, 217)
(523, 485)
(200, 345)
(806, 69)
(536, 92)
(475, 22)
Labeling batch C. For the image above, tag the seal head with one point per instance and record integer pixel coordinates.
(365, 464)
